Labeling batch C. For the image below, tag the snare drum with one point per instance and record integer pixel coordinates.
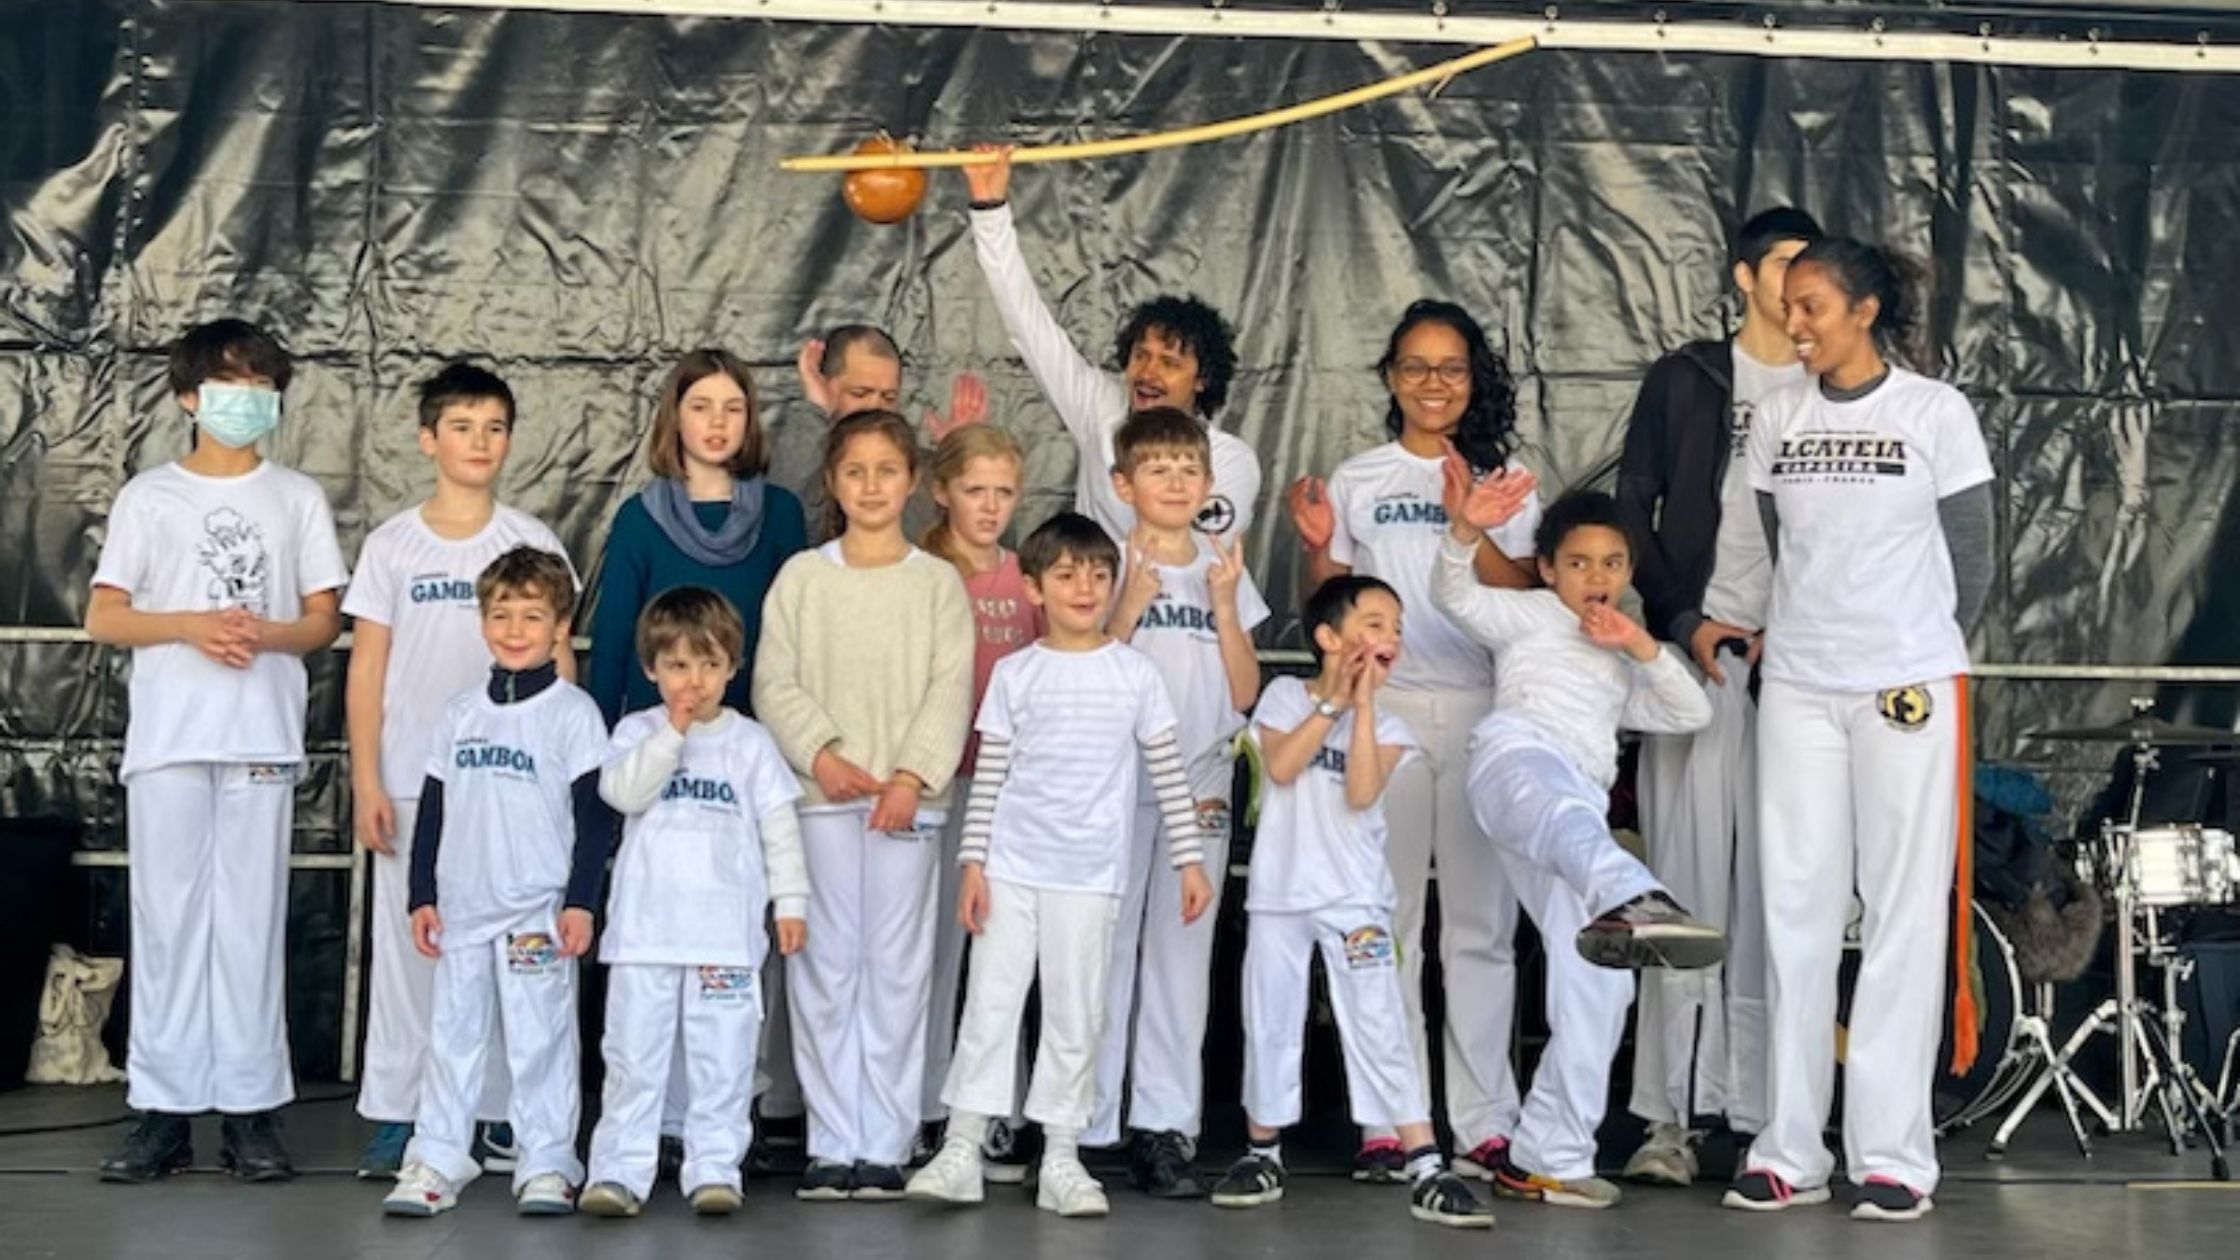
(2183, 864)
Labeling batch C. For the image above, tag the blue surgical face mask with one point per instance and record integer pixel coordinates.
(238, 415)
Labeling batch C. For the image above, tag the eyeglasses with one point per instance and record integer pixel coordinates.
(1416, 372)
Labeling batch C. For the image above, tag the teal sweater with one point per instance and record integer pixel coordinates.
(641, 563)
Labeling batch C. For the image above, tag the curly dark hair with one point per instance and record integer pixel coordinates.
(1202, 332)
(1487, 431)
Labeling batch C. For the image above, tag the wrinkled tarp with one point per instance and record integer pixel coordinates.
(575, 199)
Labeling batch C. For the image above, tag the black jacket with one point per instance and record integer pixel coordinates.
(1678, 444)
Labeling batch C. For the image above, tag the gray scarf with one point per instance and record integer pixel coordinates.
(670, 506)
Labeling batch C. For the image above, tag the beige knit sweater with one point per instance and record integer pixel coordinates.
(876, 662)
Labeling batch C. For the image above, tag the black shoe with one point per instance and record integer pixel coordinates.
(1888, 1199)
(1757, 1190)
(1250, 1182)
(1650, 931)
(826, 1181)
(252, 1150)
(876, 1183)
(1445, 1199)
(158, 1145)
(1005, 1157)
(668, 1160)
(1159, 1164)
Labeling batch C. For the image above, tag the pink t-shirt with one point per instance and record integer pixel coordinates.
(1007, 621)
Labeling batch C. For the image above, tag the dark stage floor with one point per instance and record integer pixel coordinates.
(2132, 1202)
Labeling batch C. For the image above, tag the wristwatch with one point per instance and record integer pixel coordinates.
(1323, 708)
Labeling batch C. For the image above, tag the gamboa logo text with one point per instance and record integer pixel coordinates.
(684, 787)
(484, 755)
(441, 590)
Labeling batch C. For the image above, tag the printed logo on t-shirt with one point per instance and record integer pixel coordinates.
(1744, 413)
(1408, 509)
(713, 793)
(1330, 759)
(241, 571)
(1905, 708)
(998, 617)
(531, 953)
(726, 985)
(1217, 516)
(1166, 614)
(477, 753)
(1369, 946)
(439, 588)
(1840, 457)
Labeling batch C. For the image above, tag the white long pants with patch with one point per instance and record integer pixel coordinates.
(401, 985)
(1857, 799)
(1065, 938)
(713, 1016)
(1153, 1053)
(519, 980)
(1428, 820)
(208, 855)
(859, 988)
(1383, 1088)
(1547, 819)
(1700, 1036)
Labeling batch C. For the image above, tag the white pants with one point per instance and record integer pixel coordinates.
(207, 853)
(1547, 819)
(1161, 984)
(1066, 938)
(1700, 1037)
(714, 1014)
(1427, 814)
(858, 989)
(401, 988)
(1361, 962)
(520, 980)
(948, 972)
(1854, 796)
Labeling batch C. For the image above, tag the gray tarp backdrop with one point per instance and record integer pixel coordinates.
(577, 198)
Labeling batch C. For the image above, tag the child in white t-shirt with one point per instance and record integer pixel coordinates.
(1320, 883)
(508, 853)
(416, 643)
(1046, 853)
(1186, 602)
(1572, 670)
(221, 572)
(711, 840)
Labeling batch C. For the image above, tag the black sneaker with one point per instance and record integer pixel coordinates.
(1004, 1154)
(668, 1158)
(1444, 1198)
(1159, 1164)
(494, 1147)
(1757, 1190)
(1888, 1199)
(1251, 1182)
(252, 1150)
(876, 1183)
(1650, 931)
(925, 1143)
(1381, 1162)
(158, 1145)
(826, 1181)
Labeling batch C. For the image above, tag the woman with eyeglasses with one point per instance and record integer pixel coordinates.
(1381, 515)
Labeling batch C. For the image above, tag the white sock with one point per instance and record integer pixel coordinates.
(1425, 1161)
(966, 1128)
(1270, 1150)
(1061, 1145)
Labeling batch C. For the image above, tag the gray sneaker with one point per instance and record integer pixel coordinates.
(1651, 931)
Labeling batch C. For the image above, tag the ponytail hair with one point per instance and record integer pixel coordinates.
(884, 424)
(1899, 282)
(950, 459)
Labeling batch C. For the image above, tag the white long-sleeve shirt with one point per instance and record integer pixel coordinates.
(1549, 673)
(709, 838)
(1093, 402)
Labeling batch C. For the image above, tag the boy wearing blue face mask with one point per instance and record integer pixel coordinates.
(221, 572)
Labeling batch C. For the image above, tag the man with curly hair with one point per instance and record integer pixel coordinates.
(1171, 352)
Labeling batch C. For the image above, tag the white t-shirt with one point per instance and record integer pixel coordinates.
(1313, 850)
(182, 542)
(1390, 515)
(420, 585)
(1177, 632)
(1741, 568)
(1094, 402)
(1864, 596)
(509, 829)
(689, 884)
(1076, 721)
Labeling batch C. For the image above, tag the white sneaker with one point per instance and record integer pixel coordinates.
(1668, 1158)
(547, 1194)
(420, 1191)
(951, 1176)
(1067, 1189)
